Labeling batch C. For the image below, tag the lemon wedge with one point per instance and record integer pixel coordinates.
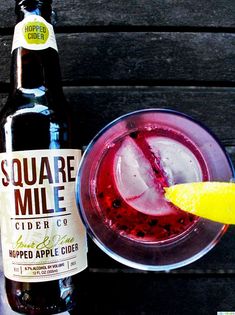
(211, 200)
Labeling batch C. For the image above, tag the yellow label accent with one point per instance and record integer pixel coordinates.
(35, 32)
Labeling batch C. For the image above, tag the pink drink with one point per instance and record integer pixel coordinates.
(131, 180)
(120, 188)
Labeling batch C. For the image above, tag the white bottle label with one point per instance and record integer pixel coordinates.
(34, 33)
(43, 237)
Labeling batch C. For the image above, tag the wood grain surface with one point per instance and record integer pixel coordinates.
(164, 13)
(140, 58)
(120, 56)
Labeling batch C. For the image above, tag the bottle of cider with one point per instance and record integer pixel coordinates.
(43, 238)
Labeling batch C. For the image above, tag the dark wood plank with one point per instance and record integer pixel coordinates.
(190, 13)
(147, 12)
(94, 107)
(147, 56)
(149, 294)
(143, 57)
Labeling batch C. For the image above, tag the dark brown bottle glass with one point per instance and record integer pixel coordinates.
(36, 118)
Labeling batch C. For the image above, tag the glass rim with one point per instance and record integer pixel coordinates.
(166, 267)
(109, 251)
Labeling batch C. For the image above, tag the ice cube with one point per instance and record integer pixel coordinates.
(136, 182)
(179, 163)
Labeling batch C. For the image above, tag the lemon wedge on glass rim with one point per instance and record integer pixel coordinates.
(211, 200)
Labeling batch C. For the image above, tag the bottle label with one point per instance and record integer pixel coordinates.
(34, 33)
(43, 237)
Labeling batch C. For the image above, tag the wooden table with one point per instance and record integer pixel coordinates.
(118, 56)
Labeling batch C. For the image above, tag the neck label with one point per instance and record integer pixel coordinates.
(34, 33)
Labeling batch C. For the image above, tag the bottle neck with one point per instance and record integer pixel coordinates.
(35, 62)
(35, 70)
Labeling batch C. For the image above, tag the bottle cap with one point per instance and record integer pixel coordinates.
(32, 4)
(43, 6)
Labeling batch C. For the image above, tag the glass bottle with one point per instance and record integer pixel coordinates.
(43, 238)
